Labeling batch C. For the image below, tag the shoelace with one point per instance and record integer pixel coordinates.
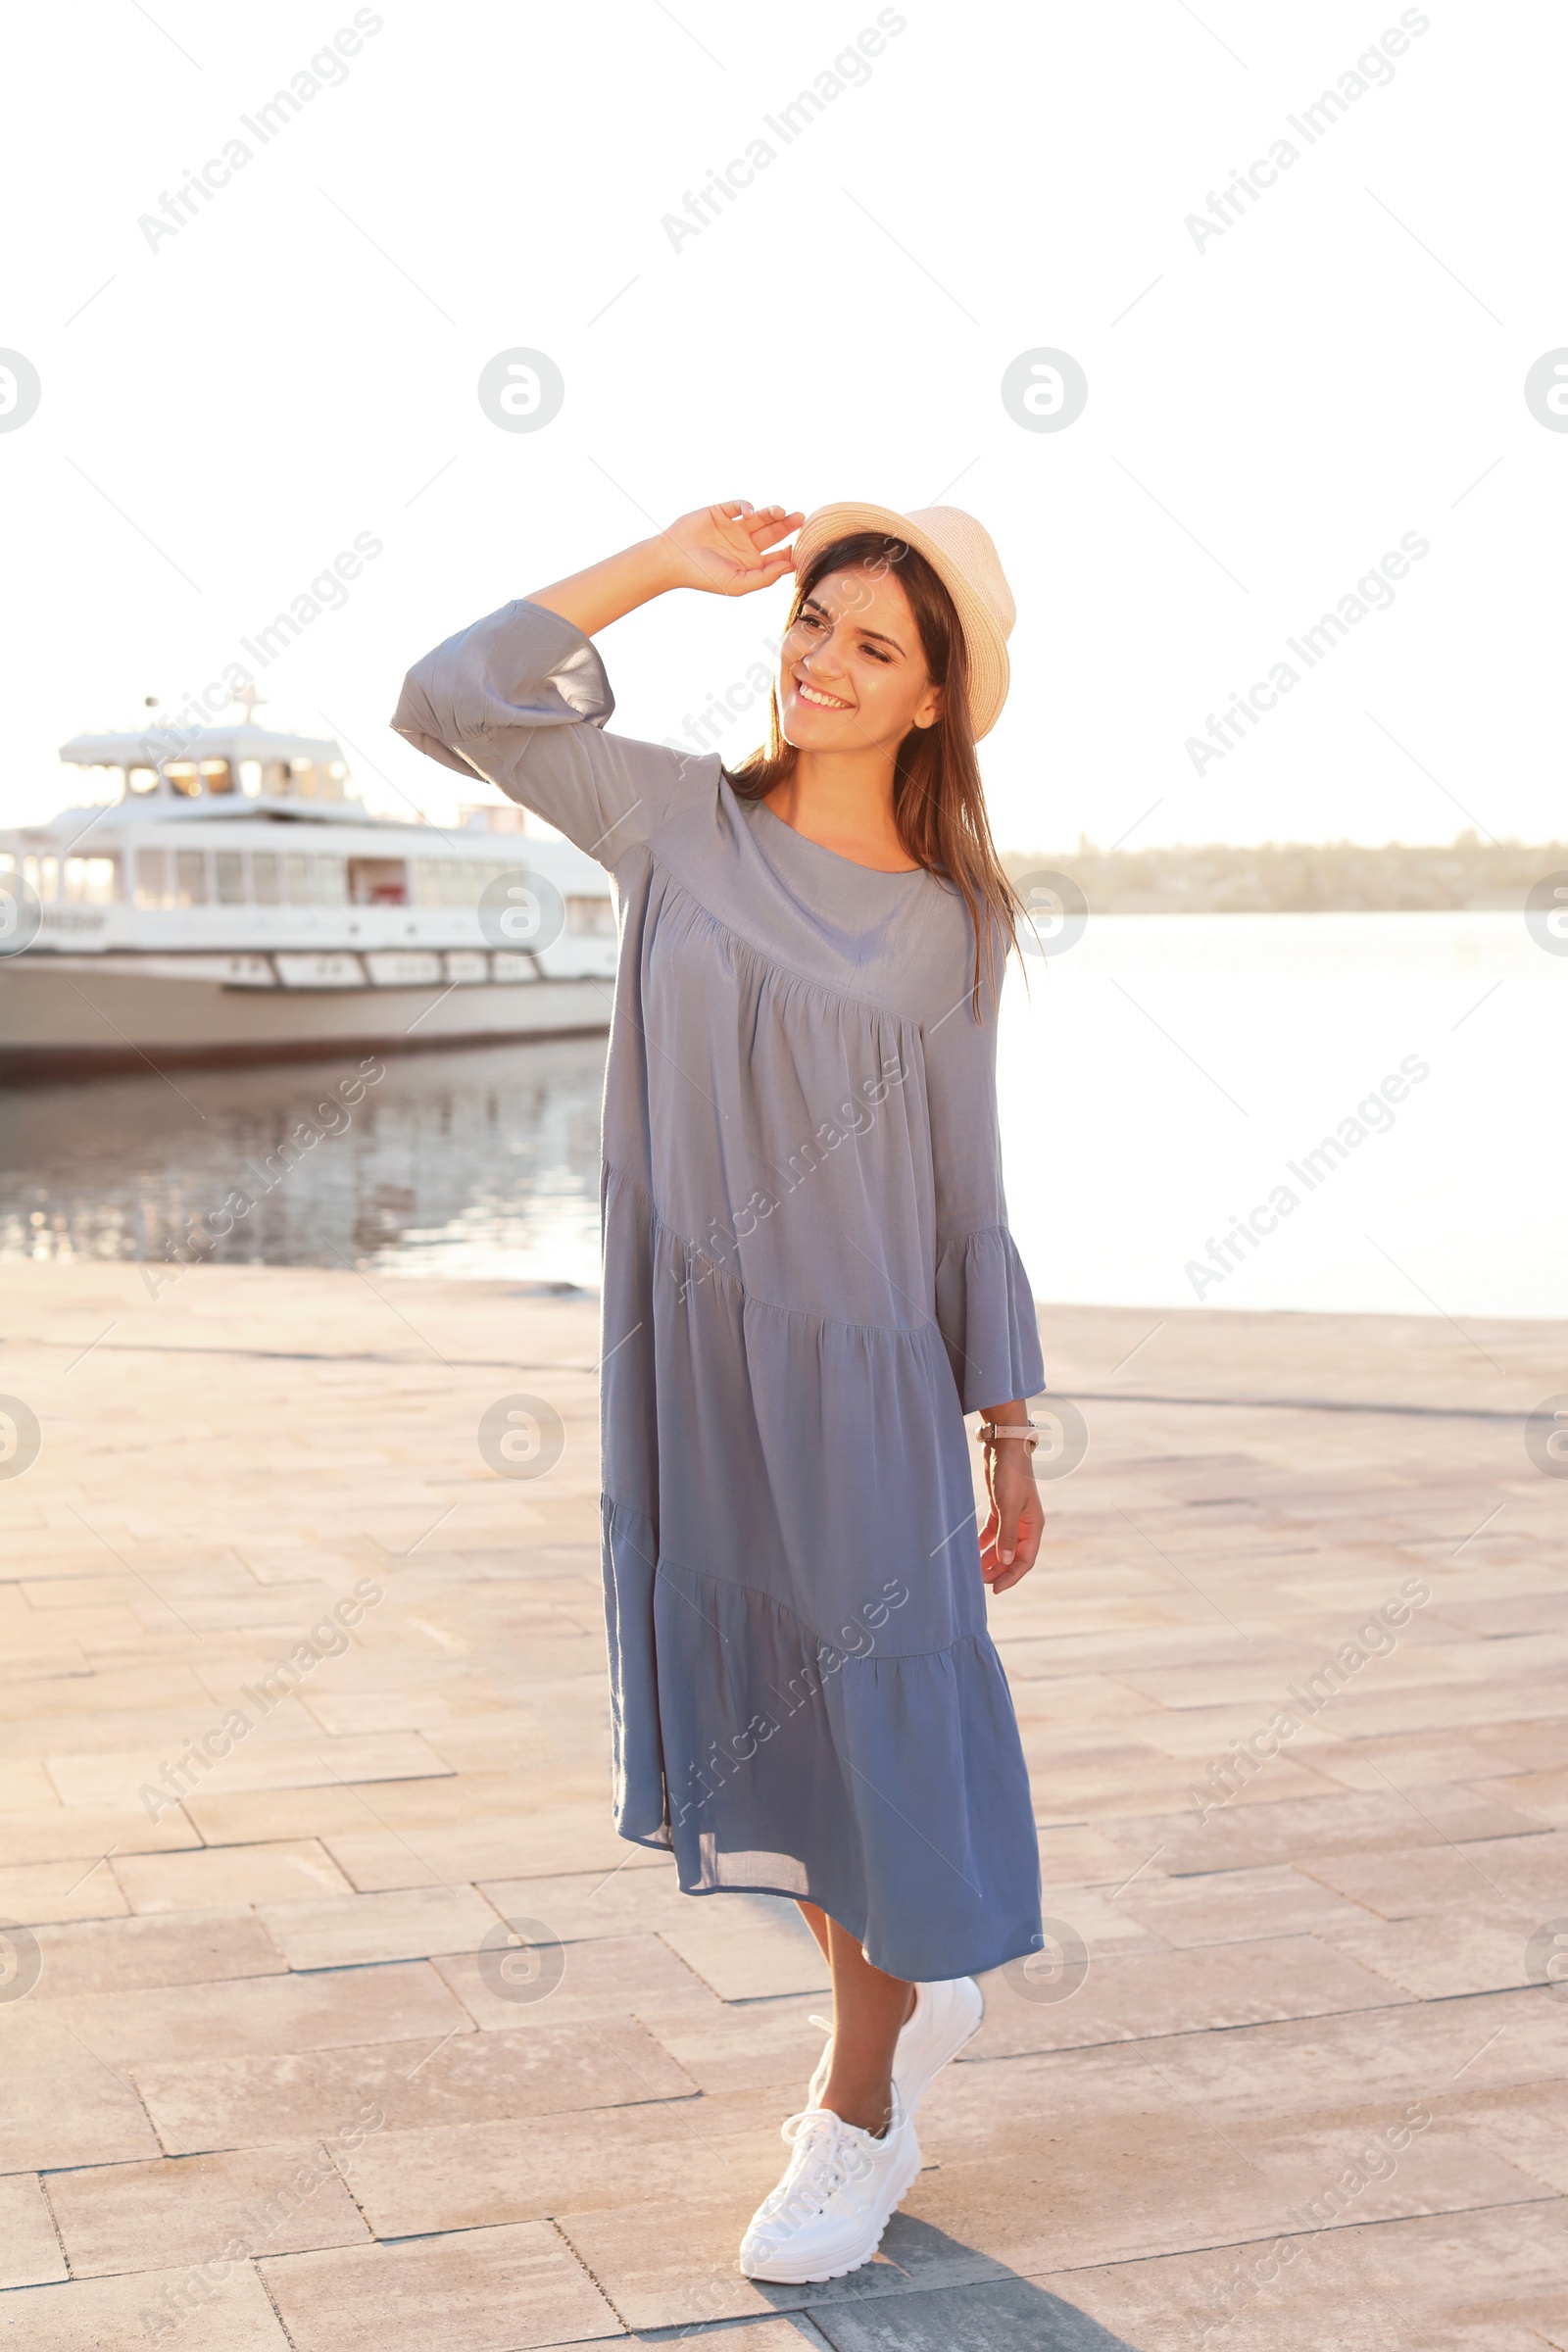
(826, 2158)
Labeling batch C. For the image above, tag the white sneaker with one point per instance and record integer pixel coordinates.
(838, 2194)
(946, 2016)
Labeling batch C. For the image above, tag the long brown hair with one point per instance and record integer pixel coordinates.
(939, 802)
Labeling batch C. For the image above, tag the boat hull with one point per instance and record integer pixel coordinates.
(79, 1015)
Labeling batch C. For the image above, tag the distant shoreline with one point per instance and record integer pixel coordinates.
(1339, 877)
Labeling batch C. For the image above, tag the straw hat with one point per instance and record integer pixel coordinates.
(960, 551)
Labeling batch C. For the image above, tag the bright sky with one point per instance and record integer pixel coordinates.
(1272, 407)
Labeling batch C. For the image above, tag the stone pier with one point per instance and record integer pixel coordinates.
(334, 2016)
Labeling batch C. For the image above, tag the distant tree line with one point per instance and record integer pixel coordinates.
(1299, 877)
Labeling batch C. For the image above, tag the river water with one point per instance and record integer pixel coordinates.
(1160, 1079)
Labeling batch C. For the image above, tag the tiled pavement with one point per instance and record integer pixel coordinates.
(1310, 2092)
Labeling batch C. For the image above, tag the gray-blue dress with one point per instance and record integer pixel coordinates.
(808, 1281)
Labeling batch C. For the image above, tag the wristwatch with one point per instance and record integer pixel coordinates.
(1026, 1432)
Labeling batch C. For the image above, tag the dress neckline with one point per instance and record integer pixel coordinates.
(888, 873)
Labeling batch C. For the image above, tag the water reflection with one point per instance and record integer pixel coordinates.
(482, 1162)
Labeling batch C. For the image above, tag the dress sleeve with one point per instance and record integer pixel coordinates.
(984, 1304)
(521, 699)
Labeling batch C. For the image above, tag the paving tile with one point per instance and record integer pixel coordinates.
(760, 2044)
(1544, 1795)
(619, 1974)
(644, 1894)
(241, 1875)
(673, 2264)
(1528, 2127)
(1242, 1836)
(532, 1843)
(1497, 1873)
(63, 2106)
(1076, 1854)
(1135, 1996)
(1405, 1841)
(544, 2070)
(30, 2249)
(65, 1833)
(277, 2014)
(112, 1955)
(468, 2176)
(34, 1893)
(321, 1762)
(1004, 2315)
(746, 1947)
(408, 1925)
(132, 2216)
(212, 2314)
(483, 2291)
(1236, 1906)
(1465, 1948)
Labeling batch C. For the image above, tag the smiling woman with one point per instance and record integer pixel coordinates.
(876, 658)
(808, 1281)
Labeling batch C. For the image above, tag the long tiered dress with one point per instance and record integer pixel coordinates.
(808, 1281)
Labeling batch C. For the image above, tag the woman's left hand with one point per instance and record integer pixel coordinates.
(1010, 1537)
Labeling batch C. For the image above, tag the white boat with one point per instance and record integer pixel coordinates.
(231, 900)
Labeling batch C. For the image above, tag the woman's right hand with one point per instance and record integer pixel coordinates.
(724, 548)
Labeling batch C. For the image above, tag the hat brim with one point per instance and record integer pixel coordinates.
(990, 672)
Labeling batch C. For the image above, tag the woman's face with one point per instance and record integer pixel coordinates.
(851, 674)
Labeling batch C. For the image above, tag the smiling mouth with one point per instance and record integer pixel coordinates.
(815, 695)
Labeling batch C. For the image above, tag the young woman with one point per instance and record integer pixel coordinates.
(808, 1281)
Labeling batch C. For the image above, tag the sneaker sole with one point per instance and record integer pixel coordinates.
(781, 2271)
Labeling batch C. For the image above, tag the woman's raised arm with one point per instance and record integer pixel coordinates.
(722, 549)
(520, 698)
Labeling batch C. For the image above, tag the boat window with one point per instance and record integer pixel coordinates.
(274, 778)
(303, 772)
(250, 777)
(315, 881)
(591, 918)
(378, 882)
(190, 877)
(216, 775)
(142, 779)
(183, 775)
(151, 878)
(91, 881)
(264, 876)
(230, 874)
